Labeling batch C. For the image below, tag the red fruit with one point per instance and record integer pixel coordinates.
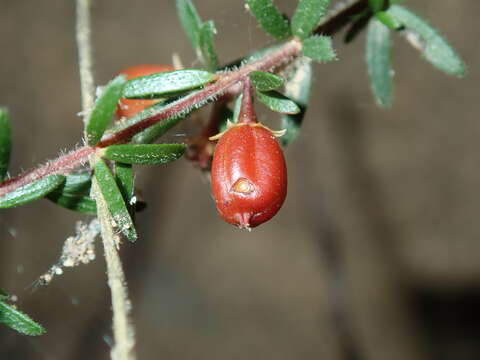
(249, 175)
(130, 107)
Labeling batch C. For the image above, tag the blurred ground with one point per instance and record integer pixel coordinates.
(375, 255)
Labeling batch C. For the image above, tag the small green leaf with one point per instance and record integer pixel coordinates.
(31, 191)
(102, 113)
(166, 84)
(278, 102)
(19, 321)
(5, 142)
(114, 199)
(207, 48)
(144, 153)
(319, 48)
(376, 5)
(388, 20)
(431, 44)
(307, 16)
(297, 88)
(190, 21)
(74, 194)
(125, 180)
(378, 56)
(269, 18)
(265, 81)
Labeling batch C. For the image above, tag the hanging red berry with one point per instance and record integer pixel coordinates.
(249, 175)
(130, 107)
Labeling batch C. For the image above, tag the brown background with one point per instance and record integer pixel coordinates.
(375, 254)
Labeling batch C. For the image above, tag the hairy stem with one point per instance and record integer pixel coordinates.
(247, 111)
(225, 81)
(84, 54)
(123, 331)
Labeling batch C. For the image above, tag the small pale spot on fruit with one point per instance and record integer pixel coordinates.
(243, 186)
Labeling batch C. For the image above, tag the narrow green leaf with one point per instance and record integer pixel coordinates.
(388, 20)
(166, 84)
(5, 142)
(114, 199)
(207, 48)
(431, 44)
(378, 56)
(102, 113)
(125, 180)
(278, 102)
(32, 191)
(74, 194)
(144, 153)
(190, 21)
(376, 5)
(319, 48)
(307, 16)
(265, 81)
(269, 18)
(19, 321)
(297, 88)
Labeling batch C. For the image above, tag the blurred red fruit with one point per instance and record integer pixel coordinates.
(130, 107)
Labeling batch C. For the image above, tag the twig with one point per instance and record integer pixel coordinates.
(83, 30)
(123, 332)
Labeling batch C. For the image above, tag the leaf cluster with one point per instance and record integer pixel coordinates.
(382, 19)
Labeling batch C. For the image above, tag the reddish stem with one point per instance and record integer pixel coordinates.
(247, 112)
(76, 158)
